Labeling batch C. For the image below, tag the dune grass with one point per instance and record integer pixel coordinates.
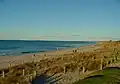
(90, 60)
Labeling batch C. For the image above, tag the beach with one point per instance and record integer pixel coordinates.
(63, 66)
(16, 60)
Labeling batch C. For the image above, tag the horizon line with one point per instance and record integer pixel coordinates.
(51, 40)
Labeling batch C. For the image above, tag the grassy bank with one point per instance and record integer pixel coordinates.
(106, 76)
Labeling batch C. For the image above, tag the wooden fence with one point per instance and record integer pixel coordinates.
(34, 74)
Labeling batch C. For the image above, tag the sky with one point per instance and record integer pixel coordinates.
(59, 19)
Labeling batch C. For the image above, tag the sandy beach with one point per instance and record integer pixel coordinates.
(64, 64)
(16, 60)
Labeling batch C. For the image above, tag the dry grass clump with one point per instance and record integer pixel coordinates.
(55, 69)
(13, 79)
(93, 65)
(71, 67)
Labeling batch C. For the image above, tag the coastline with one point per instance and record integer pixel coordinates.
(16, 60)
(15, 48)
(70, 66)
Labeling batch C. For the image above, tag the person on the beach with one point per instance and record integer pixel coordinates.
(34, 55)
(75, 50)
(44, 54)
(57, 49)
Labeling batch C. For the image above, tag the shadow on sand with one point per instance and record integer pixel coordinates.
(44, 79)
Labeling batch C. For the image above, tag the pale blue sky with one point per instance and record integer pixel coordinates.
(60, 19)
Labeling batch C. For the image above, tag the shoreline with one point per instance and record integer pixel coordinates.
(41, 51)
(16, 60)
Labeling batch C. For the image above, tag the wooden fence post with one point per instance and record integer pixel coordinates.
(65, 69)
(30, 78)
(22, 61)
(101, 64)
(34, 73)
(83, 69)
(3, 74)
(23, 72)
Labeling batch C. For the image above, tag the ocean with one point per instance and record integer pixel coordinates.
(18, 47)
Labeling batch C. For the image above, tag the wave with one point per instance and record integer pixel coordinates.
(27, 52)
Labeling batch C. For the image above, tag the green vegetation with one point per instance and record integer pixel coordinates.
(106, 76)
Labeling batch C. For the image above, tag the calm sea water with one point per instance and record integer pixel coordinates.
(18, 47)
